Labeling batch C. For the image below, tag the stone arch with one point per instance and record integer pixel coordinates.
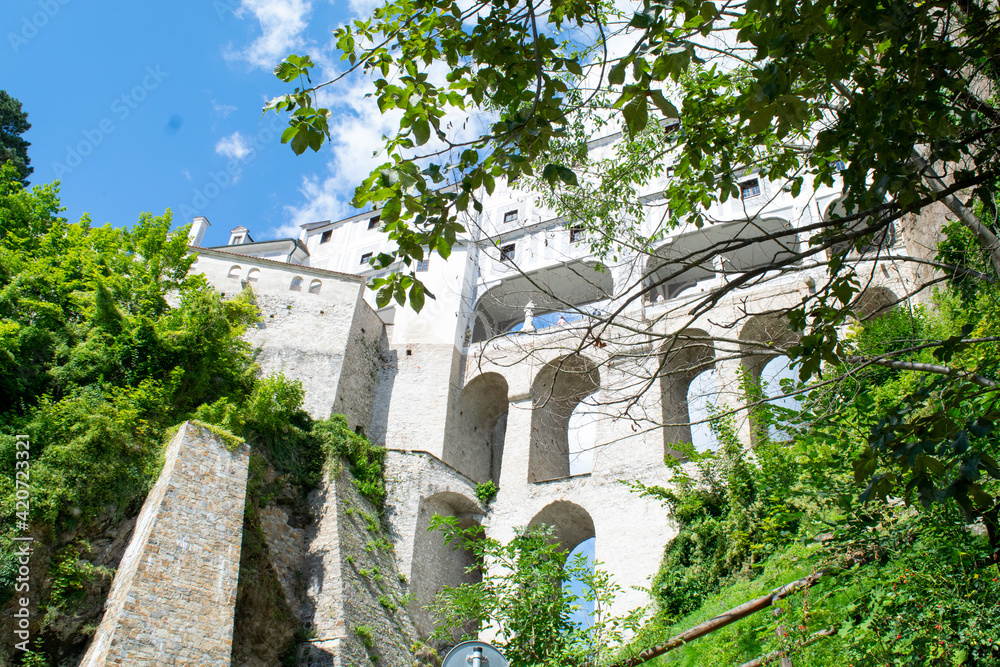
(436, 564)
(769, 329)
(884, 239)
(296, 285)
(773, 331)
(575, 286)
(684, 357)
(874, 302)
(253, 275)
(475, 437)
(315, 286)
(556, 391)
(234, 271)
(572, 523)
(681, 266)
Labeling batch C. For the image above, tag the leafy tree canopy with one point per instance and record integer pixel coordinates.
(13, 147)
(897, 99)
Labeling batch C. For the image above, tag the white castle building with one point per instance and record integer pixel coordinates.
(535, 366)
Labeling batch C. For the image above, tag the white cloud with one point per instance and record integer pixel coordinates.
(186, 173)
(282, 23)
(234, 147)
(357, 129)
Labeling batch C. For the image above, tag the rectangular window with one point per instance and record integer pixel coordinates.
(365, 257)
(575, 234)
(510, 216)
(422, 265)
(327, 235)
(749, 188)
(507, 253)
(373, 222)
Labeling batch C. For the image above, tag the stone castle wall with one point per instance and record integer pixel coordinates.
(340, 575)
(173, 598)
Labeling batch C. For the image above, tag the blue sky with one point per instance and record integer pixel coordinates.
(144, 106)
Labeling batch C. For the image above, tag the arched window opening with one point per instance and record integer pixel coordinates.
(582, 438)
(702, 399)
(253, 275)
(315, 286)
(583, 615)
(571, 523)
(296, 285)
(475, 434)
(440, 564)
(761, 334)
(686, 356)
(573, 531)
(873, 243)
(235, 271)
(565, 290)
(874, 302)
(557, 390)
(778, 372)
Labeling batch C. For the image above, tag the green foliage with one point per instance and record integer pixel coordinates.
(98, 367)
(861, 94)
(732, 510)
(70, 574)
(486, 491)
(523, 596)
(13, 147)
(365, 459)
(906, 584)
(365, 634)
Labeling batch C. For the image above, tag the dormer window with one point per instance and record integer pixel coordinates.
(327, 235)
(507, 252)
(510, 216)
(576, 234)
(373, 222)
(750, 188)
(239, 236)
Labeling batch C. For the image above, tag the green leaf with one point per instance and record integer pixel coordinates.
(636, 115)
(301, 140)
(760, 121)
(550, 173)
(417, 296)
(616, 76)
(663, 104)
(567, 175)
(421, 131)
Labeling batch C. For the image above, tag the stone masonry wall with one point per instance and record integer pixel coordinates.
(173, 597)
(306, 338)
(353, 599)
(367, 345)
